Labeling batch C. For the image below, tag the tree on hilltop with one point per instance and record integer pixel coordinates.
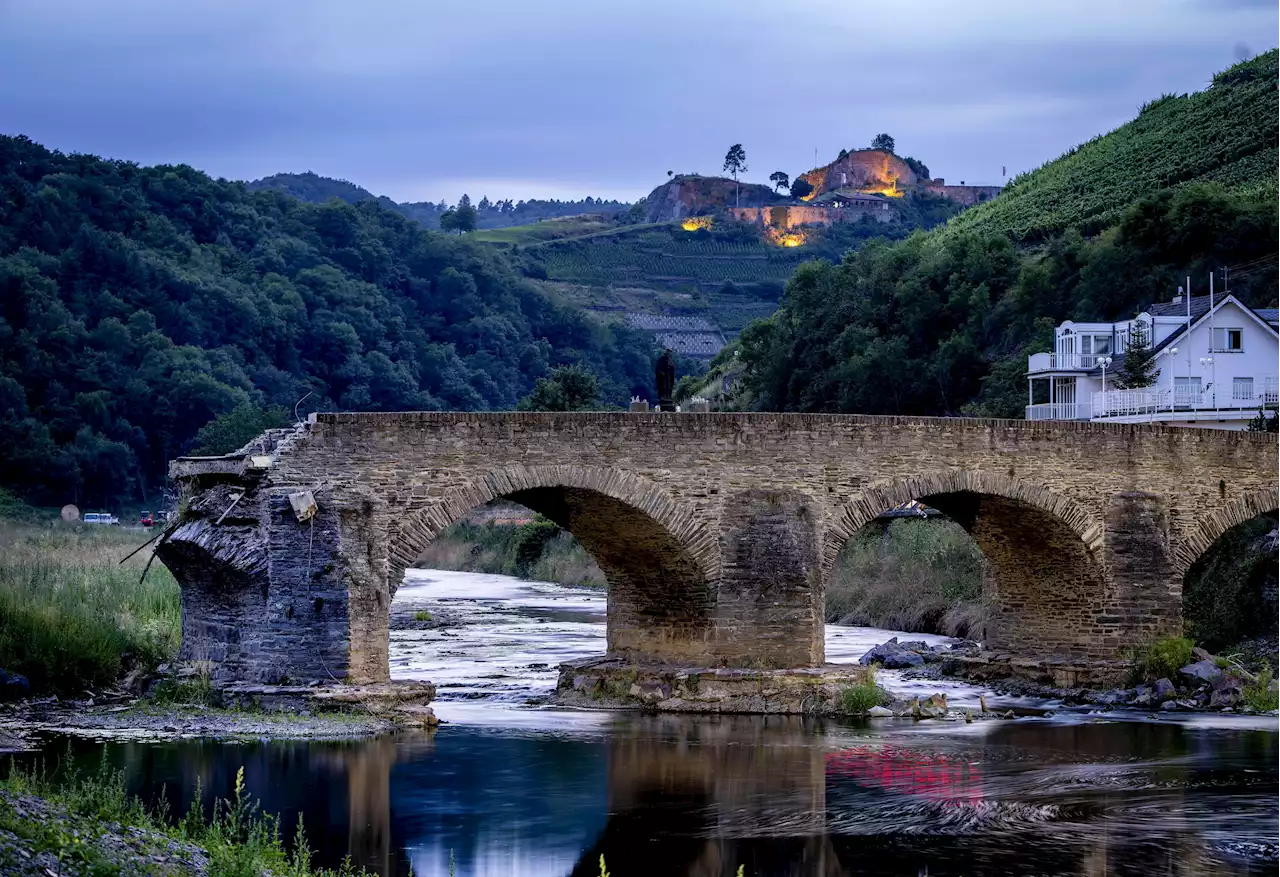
(735, 162)
(461, 218)
(801, 188)
(780, 180)
(844, 153)
(883, 142)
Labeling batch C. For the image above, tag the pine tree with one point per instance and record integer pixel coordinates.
(1138, 368)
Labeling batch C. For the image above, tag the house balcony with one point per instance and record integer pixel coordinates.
(1042, 363)
(1240, 401)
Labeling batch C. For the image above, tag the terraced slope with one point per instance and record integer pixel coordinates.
(1224, 134)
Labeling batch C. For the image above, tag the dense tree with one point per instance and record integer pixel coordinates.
(735, 162)
(1137, 366)
(941, 323)
(780, 180)
(844, 153)
(498, 214)
(801, 188)
(883, 142)
(921, 169)
(137, 304)
(233, 430)
(568, 388)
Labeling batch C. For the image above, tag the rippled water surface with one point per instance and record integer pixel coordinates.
(508, 789)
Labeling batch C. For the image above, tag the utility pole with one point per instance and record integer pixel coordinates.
(1213, 368)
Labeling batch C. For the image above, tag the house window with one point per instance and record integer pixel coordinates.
(1242, 388)
(1228, 340)
(1095, 345)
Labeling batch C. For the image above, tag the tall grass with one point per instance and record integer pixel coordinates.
(71, 616)
(240, 840)
(919, 575)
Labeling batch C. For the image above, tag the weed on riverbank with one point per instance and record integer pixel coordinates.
(857, 700)
(102, 823)
(71, 616)
(917, 575)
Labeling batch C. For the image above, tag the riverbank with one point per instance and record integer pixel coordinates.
(233, 711)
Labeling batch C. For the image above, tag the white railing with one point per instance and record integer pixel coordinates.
(1048, 362)
(1125, 403)
(1058, 411)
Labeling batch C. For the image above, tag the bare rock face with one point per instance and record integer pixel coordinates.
(692, 195)
(865, 170)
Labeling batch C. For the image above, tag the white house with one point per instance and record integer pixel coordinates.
(1218, 373)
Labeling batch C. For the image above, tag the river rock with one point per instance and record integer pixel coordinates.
(1164, 689)
(934, 707)
(13, 686)
(1200, 654)
(880, 712)
(891, 656)
(1227, 690)
(1202, 671)
(1169, 706)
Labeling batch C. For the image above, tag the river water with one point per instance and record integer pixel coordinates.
(505, 788)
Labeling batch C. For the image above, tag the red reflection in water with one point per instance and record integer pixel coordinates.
(928, 774)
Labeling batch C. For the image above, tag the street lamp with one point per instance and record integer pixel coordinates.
(1206, 361)
(1173, 390)
(1104, 361)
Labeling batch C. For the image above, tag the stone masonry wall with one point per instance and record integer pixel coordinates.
(717, 530)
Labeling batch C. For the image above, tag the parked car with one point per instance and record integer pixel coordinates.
(146, 520)
(101, 518)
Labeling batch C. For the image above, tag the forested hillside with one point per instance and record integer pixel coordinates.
(941, 323)
(502, 213)
(137, 304)
(1226, 134)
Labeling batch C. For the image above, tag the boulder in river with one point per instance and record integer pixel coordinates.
(1226, 690)
(1201, 671)
(892, 656)
(1164, 689)
(880, 712)
(13, 686)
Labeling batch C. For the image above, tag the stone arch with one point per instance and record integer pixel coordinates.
(1047, 592)
(660, 559)
(1214, 524)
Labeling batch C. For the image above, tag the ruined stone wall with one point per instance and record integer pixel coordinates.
(717, 530)
(797, 215)
(868, 169)
(966, 195)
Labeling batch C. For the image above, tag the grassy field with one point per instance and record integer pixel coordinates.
(539, 551)
(547, 230)
(71, 616)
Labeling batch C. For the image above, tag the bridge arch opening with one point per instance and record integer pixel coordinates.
(1031, 580)
(1229, 599)
(654, 559)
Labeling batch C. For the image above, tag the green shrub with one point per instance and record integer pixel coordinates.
(1260, 695)
(1163, 658)
(422, 615)
(857, 700)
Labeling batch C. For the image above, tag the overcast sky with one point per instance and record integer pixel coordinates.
(427, 99)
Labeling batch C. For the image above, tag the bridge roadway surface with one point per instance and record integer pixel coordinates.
(717, 532)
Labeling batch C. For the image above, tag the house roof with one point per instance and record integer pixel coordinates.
(1198, 315)
(1271, 315)
(1199, 307)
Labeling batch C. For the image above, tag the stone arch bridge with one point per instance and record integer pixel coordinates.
(716, 531)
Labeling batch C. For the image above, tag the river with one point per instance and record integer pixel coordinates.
(505, 788)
